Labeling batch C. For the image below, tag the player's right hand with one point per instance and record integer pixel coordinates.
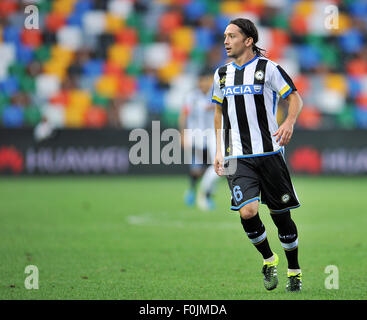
(218, 164)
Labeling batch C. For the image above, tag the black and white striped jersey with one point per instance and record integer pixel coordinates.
(249, 96)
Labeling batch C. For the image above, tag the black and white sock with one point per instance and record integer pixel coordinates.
(288, 236)
(256, 232)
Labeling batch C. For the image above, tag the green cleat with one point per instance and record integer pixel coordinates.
(269, 271)
(294, 283)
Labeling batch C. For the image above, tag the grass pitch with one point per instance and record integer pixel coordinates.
(133, 238)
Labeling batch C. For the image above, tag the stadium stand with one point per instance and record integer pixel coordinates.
(123, 63)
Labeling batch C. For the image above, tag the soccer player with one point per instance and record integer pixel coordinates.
(197, 115)
(247, 92)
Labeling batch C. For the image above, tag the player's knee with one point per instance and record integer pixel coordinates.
(249, 210)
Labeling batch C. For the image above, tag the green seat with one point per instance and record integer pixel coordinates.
(198, 56)
(146, 36)
(44, 6)
(32, 116)
(27, 84)
(17, 70)
(280, 21)
(42, 53)
(346, 118)
(99, 100)
(170, 118)
(134, 69)
(134, 20)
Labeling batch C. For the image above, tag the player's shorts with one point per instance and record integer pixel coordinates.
(266, 177)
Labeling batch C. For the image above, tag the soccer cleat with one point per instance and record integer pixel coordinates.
(269, 271)
(190, 197)
(294, 282)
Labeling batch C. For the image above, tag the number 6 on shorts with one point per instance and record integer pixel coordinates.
(237, 193)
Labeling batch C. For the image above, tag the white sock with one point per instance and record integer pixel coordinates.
(294, 270)
(209, 180)
(271, 259)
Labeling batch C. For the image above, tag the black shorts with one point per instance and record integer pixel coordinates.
(265, 176)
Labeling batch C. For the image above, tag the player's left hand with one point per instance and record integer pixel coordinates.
(284, 133)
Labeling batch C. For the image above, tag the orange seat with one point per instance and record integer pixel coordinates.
(61, 98)
(127, 36)
(54, 21)
(170, 21)
(112, 68)
(7, 7)
(31, 37)
(298, 24)
(361, 100)
(127, 86)
(96, 117)
(357, 67)
(309, 118)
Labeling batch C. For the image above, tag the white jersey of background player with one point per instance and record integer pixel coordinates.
(197, 132)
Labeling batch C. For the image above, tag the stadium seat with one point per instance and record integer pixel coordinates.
(137, 50)
(13, 117)
(55, 114)
(96, 117)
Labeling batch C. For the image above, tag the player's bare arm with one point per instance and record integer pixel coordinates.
(218, 161)
(285, 131)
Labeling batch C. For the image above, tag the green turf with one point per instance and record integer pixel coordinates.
(132, 238)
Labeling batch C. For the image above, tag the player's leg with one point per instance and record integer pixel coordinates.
(206, 190)
(209, 181)
(279, 195)
(256, 232)
(255, 229)
(288, 236)
(245, 191)
(195, 172)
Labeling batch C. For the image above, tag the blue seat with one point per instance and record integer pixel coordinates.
(13, 117)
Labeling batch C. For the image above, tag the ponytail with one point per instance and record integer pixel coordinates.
(258, 51)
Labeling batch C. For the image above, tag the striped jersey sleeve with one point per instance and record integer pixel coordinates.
(280, 81)
(217, 95)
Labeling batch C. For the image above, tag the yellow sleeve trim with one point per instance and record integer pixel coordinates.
(284, 90)
(217, 99)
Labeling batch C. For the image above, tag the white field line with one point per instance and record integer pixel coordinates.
(149, 219)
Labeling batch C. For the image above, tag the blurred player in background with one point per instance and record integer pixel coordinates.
(247, 92)
(197, 115)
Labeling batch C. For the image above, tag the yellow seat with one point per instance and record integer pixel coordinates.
(107, 86)
(79, 99)
(114, 23)
(304, 8)
(231, 7)
(170, 71)
(74, 117)
(344, 24)
(63, 55)
(120, 54)
(63, 6)
(54, 67)
(183, 38)
(336, 82)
